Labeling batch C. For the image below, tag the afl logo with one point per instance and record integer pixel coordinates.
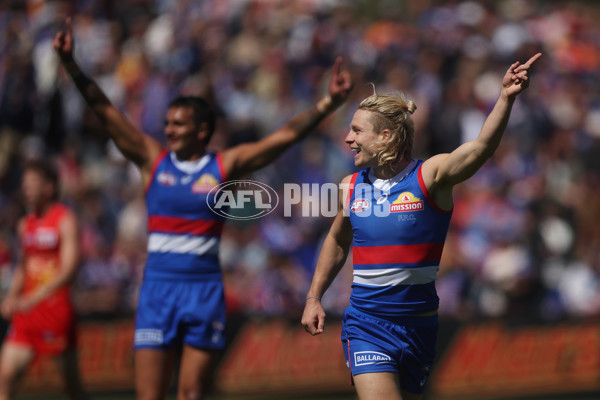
(359, 205)
(242, 199)
(167, 179)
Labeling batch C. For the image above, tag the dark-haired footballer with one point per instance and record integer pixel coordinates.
(181, 301)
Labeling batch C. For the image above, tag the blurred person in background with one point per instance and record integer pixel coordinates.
(38, 301)
(181, 301)
(396, 215)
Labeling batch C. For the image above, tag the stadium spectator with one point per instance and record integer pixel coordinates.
(396, 214)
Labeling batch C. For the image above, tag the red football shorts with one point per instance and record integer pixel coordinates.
(49, 329)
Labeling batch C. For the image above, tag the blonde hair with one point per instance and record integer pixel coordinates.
(392, 112)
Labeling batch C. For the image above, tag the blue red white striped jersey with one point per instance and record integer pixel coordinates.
(183, 232)
(398, 238)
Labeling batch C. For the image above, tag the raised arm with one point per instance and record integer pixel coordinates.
(249, 157)
(331, 259)
(67, 269)
(135, 146)
(443, 171)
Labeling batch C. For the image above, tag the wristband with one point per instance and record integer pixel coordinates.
(313, 297)
(324, 104)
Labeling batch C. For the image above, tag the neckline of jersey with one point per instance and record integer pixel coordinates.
(385, 185)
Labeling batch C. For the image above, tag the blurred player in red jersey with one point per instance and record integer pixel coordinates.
(38, 301)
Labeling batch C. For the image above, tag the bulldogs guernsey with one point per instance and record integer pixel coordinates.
(398, 238)
(183, 232)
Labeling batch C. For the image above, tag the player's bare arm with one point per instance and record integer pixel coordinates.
(249, 157)
(10, 301)
(135, 146)
(69, 263)
(331, 260)
(443, 171)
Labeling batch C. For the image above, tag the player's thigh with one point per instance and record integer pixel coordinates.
(378, 386)
(196, 369)
(14, 359)
(153, 369)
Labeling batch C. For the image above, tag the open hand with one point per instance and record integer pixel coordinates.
(517, 77)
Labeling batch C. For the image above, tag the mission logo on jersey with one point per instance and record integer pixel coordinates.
(204, 184)
(406, 202)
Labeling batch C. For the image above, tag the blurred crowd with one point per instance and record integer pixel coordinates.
(525, 236)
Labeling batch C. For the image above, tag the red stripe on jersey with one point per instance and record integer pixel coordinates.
(184, 226)
(350, 190)
(398, 254)
(160, 157)
(426, 192)
(221, 166)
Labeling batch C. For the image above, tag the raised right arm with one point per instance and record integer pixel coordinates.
(139, 148)
(331, 260)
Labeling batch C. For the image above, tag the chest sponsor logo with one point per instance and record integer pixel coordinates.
(166, 178)
(371, 357)
(205, 184)
(40, 270)
(360, 205)
(406, 202)
(42, 238)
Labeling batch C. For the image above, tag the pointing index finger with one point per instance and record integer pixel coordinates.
(533, 59)
(337, 65)
(68, 26)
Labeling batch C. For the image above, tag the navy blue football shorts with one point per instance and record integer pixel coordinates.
(170, 313)
(405, 347)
